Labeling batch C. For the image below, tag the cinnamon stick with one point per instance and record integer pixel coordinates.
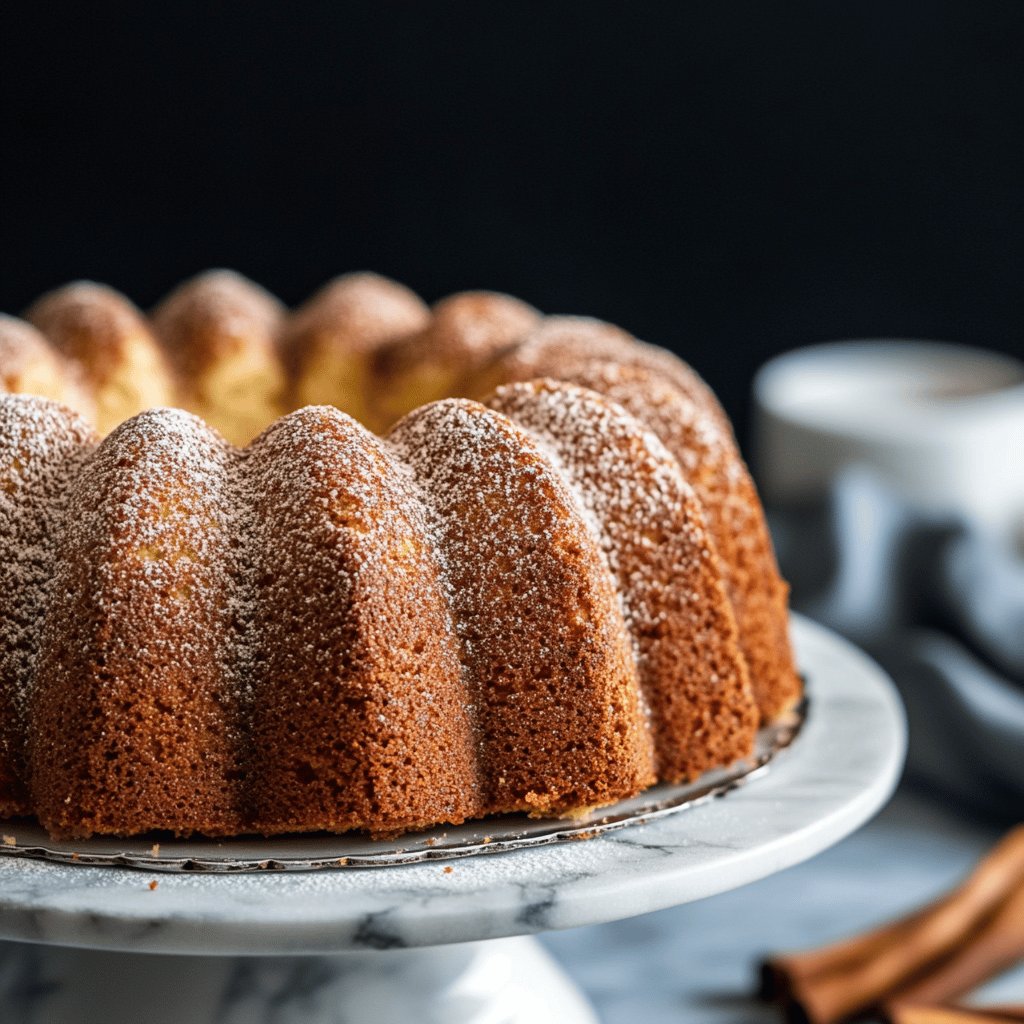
(830, 984)
(996, 946)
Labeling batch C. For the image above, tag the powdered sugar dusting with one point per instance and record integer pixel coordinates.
(668, 412)
(693, 431)
(351, 640)
(135, 658)
(666, 569)
(625, 479)
(574, 341)
(42, 449)
(546, 655)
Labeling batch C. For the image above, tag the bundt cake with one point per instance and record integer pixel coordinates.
(542, 586)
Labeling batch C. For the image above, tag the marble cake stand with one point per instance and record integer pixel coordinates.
(398, 943)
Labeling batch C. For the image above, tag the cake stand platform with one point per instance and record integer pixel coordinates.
(411, 941)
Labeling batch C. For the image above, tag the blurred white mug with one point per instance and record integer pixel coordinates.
(941, 424)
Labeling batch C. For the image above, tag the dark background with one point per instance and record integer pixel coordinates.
(728, 179)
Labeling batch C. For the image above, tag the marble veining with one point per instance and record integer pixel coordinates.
(480, 983)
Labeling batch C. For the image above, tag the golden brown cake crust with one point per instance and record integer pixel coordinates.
(42, 448)
(331, 341)
(691, 427)
(107, 338)
(222, 331)
(713, 465)
(361, 311)
(21, 345)
(352, 641)
(547, 658)
(650, 523)
(561, 343)
(216, 314)
(466, 331)
(30, 365)
(91, 324)
(135, 660)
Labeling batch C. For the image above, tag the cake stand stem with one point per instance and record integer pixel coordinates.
(511, 981)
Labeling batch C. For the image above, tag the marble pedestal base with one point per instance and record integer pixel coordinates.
(511, 981)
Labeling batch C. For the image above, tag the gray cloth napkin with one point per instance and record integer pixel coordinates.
(940, 605)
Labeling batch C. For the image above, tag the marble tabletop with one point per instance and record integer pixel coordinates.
(697, 962)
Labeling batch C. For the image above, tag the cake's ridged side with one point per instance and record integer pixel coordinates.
(713, 465)
(135, 709)
(692, 673)
(42, 446)
(360, 716)
(546, 655)
(331, 341)
(690, 424)
(465, 332)
(103, 334)
(221, 332)
(668, 396)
